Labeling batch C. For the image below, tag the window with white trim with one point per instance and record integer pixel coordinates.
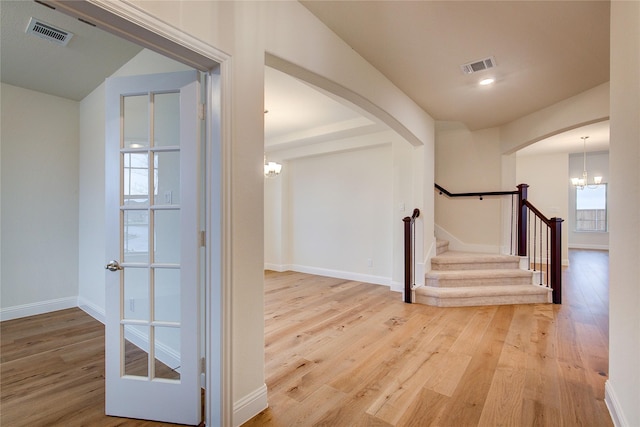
(591, 208)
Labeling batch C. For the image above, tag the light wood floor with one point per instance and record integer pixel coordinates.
(52, 372)
(341, 353)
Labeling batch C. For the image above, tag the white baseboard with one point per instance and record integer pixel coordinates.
(586, 246)
(339, 274)
(613, 404)
(36, 308)
(397, 287)
(92, 310)
(276, 267)
(250, 406)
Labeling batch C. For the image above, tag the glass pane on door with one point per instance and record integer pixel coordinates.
(167, 185)
(136, 350)
(136, 294)
(136, 121)
(166, 295)
(167, 353)
(135, 179)
(135, 236)
(166, 121)
(167, 236)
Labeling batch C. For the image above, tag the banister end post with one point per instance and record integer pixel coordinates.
(522, 219)
(555, 278)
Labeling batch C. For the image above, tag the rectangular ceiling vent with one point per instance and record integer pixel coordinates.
(48, 32)
(474, 67)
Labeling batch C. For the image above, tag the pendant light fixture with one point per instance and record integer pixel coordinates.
(580, 183)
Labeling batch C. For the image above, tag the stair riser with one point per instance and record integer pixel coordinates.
(480, 301)
(449, 266)
(442, 246)
(488, 281)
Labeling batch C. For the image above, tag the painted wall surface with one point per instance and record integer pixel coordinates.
(597, 165)
(91, 243)
(623, 387)
(393, 201)
(341, 213)
(39, 210)
(547, 176)
(469, 161)
(587, 107)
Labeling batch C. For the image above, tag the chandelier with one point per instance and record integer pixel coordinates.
(271, 169)
(580, 183)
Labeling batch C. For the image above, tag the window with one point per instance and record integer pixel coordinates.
(591, 208)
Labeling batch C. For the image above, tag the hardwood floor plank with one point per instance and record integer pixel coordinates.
(342, 353)
(52, 372)
(467, 403)
(504, 399)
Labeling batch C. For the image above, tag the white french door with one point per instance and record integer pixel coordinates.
(152, 286)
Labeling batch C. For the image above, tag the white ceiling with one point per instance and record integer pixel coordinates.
(70, 72)
(545, 52)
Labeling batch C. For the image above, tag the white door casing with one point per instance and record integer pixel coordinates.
(152, 221)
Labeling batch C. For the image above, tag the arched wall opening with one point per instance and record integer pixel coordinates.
(347, 193)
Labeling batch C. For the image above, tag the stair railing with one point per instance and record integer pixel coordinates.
(540, 240)
(409, 253)
(533, 236)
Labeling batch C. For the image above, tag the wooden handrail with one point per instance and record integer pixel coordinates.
(408, 253)
(537, 212)
(479, 194)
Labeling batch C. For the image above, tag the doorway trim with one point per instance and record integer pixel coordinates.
(127, 21)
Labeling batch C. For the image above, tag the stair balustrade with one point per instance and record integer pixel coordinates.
(533, 236)
(540, 240)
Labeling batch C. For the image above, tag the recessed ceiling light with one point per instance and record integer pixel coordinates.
(485, 82)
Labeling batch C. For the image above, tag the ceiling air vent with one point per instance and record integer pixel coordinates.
(48, 32)
(474, 67)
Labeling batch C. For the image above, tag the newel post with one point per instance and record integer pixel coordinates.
(408, 261)
(408, 253)
(522, 220)
(555, 276)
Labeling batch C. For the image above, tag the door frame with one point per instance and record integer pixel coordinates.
(132, 24)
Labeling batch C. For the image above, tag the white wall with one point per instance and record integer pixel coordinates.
(548, 180)
(597, 165)
(623, 387)
(350, 176)
(341, 214)
(468, 161)
(40, 202)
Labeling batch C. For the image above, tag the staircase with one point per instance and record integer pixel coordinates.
(459, 279)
